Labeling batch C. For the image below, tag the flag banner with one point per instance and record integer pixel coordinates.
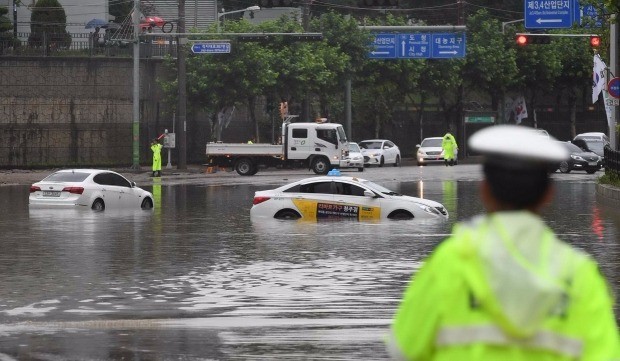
(520, 109)
(608, 109)
(598, 77)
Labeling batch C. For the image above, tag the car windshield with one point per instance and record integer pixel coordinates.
(435, 142)
(370, 145)
(377, 188)
(595, 145)
(353, 147)
(572, 148)
(66, 177)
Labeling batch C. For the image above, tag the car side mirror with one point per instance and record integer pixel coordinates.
(386, 147)
(133, 184)
(370, 194)
(417, 146)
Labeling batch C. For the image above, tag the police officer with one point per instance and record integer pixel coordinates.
(503, 286)
(449, 146)
(156, 149)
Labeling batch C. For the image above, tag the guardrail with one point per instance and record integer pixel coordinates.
(83, 44)
(612, 162)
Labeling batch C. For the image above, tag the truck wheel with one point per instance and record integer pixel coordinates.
(244, 166)
(254, 169)
(320, 165)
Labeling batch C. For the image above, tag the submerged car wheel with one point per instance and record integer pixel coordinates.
(400, 215)
(147, 203)
(98, 205)
(397, 162)
(360, 169)
(591, 171)
(287, 214)
(564, 168)
(381, 162)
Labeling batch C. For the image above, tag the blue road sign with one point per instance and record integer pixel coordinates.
(211, 48)
(384, 47)
(589, 18)
(418, 46)
(448, 45)
(414, 46)
(613, 87)
(549, 14)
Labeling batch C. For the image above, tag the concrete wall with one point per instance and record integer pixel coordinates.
(74, 111)
(608, 195)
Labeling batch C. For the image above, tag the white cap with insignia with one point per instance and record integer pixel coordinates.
(516, 146)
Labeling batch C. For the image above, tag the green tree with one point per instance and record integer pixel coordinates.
(575, 77)
(490, 62)
(48, 25)
(381, 85)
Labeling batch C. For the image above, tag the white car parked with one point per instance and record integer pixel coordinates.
(429, 150)
(355, 159)
(96, 189)
(338, 196)
(380, 152)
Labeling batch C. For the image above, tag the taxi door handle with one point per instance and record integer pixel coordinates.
(293, 148)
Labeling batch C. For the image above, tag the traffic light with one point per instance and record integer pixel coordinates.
(528, 39)
(595, 41)
(382, 3)
(275, 3)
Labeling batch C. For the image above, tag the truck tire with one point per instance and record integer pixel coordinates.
(320, 165)
(245, 166)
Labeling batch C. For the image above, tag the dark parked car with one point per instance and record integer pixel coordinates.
(580, 159)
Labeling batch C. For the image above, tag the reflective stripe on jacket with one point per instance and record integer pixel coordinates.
(505, 288)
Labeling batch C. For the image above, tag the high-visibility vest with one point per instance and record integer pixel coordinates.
(483, 295)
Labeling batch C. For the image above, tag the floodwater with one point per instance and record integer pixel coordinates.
(196, 279)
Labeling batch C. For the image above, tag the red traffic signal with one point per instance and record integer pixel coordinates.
(522, 40)
(595, 41)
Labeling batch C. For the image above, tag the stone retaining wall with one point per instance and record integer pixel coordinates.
(608, 195)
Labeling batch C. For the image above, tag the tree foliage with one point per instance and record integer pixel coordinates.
(48, 24)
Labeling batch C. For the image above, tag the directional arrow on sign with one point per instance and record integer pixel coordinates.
(542, 21)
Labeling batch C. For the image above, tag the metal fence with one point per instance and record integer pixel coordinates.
(612, 162)
(83, 44)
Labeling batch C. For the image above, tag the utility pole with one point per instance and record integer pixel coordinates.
(305, 22)
(15, 19)
(136, 86)
(182, 95)
(613, 68)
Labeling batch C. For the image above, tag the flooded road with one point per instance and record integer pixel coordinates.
(196, 279)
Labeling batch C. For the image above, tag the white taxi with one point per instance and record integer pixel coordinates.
(336, 196)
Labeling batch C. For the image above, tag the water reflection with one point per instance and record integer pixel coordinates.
(195, 278)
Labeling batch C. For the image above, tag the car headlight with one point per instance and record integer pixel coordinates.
(577, 157)
(428, 209)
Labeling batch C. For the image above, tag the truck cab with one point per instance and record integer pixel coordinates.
(322, 145)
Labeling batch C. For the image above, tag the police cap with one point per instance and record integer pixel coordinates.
(516, 146)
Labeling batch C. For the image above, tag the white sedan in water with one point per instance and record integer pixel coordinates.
(92, 188)
(341, 197)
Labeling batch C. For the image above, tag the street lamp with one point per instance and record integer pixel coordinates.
(251, 8)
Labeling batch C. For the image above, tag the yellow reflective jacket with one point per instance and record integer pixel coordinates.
(503, 287)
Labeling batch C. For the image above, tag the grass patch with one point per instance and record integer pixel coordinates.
(610, 178)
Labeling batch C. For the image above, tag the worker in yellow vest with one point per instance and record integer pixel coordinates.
(449, 147)
(503, 287)
(156, 149)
